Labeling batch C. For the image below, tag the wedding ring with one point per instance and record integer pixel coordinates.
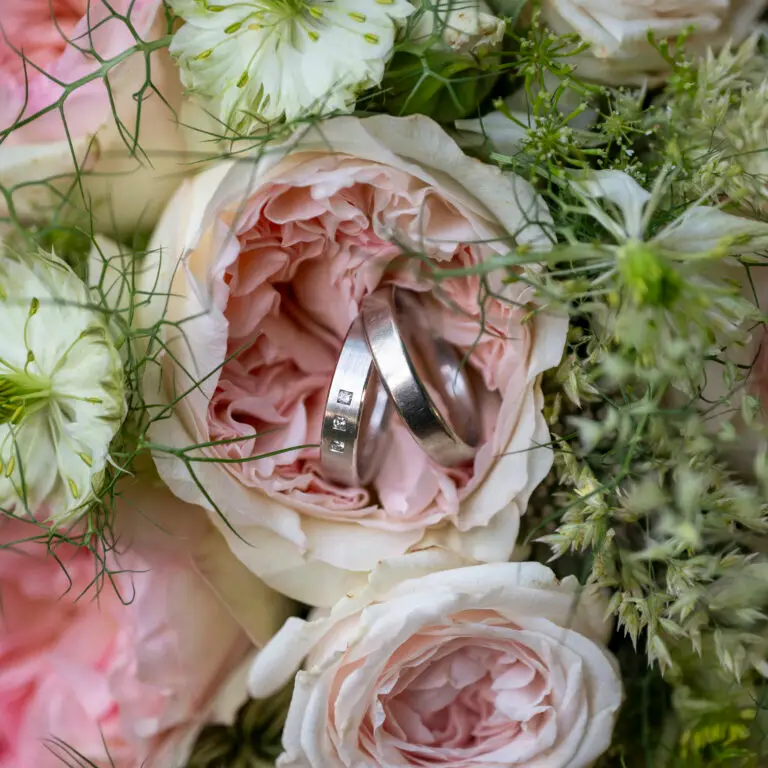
(357, 412)
(448, 441)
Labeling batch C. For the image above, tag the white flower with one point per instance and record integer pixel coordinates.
(466, 26)
(618, 30)
(462, 667)
(624, 208)
(268, 59)
(644, 259)
(61, 390)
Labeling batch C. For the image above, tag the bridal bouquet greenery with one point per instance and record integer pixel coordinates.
(197, 197)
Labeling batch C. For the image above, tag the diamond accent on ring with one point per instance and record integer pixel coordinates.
(345, 397)
(337, 446)
(340, 423)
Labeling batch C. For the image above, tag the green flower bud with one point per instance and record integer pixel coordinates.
(649, 279)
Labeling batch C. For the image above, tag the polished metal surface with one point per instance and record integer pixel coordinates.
(357, 412)
(407, 355)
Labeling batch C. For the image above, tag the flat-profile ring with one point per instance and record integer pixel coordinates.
(397, 349)
(357, 412)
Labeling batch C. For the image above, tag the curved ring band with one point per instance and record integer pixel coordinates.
(448, 441)
(356, 416)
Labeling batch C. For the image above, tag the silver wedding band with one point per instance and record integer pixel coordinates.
(449, 439)
(357, 411)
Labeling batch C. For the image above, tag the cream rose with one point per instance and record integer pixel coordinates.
(493, 665)
(258, 269)
(617, 30)
(123, 187)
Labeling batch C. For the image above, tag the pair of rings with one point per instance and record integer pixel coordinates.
(385, 360)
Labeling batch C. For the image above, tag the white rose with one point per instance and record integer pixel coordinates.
(263, 265)
(617, 30)
(491, 665)
(127, 170)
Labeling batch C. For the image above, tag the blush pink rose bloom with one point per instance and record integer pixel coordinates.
(124, 192)
(131, 678)
(264, 264)
(487, 666)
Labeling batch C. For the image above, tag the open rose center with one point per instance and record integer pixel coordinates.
(38, 30)
(456, 700)
(306, 255)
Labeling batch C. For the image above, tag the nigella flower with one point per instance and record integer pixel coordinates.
(625, 209)
(674, 294)
(61, 390)
(263, 60)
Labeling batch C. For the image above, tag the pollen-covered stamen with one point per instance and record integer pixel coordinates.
(22, 394)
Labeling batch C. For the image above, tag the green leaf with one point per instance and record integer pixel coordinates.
(442, 85)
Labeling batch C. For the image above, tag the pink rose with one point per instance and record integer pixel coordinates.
(124, 191)
(131, 676)
(490, 666)
(264, 263)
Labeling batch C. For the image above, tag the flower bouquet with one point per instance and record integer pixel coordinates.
(382, 383)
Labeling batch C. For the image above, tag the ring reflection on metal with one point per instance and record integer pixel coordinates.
(406, 355)
(357, 412)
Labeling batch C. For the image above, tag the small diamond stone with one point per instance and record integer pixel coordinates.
(337, 446)
(339, 423)
(345, 397)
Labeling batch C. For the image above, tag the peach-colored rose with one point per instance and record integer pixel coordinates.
(131, 676)
(264, 263)
(490, 666)
(123, 190)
